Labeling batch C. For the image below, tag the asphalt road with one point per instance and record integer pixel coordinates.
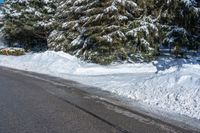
(31, 103)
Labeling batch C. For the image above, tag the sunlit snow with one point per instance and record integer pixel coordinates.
(169, 84)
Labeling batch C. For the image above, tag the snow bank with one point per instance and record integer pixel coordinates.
(172, 85)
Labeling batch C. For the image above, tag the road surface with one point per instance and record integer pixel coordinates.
(31, 103)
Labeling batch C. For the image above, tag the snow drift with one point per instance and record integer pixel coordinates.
(172, 85)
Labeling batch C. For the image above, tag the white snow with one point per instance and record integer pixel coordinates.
(189, 2)
(172, 85)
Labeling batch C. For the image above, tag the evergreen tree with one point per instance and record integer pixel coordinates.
(28, 22)
(114, 30)
(102, 31)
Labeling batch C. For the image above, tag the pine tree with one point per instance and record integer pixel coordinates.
(102, 31)
(183, 21)
(111, 30)
(28, 22)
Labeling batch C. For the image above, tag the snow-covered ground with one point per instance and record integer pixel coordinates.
(172, 85)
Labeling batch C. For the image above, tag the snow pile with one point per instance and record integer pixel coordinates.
(175, 89)
(62, 63)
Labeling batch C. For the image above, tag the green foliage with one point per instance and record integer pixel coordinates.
(28, 23)
(107, 30)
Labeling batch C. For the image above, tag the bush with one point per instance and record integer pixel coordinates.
(28, 22)
(12, 51)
